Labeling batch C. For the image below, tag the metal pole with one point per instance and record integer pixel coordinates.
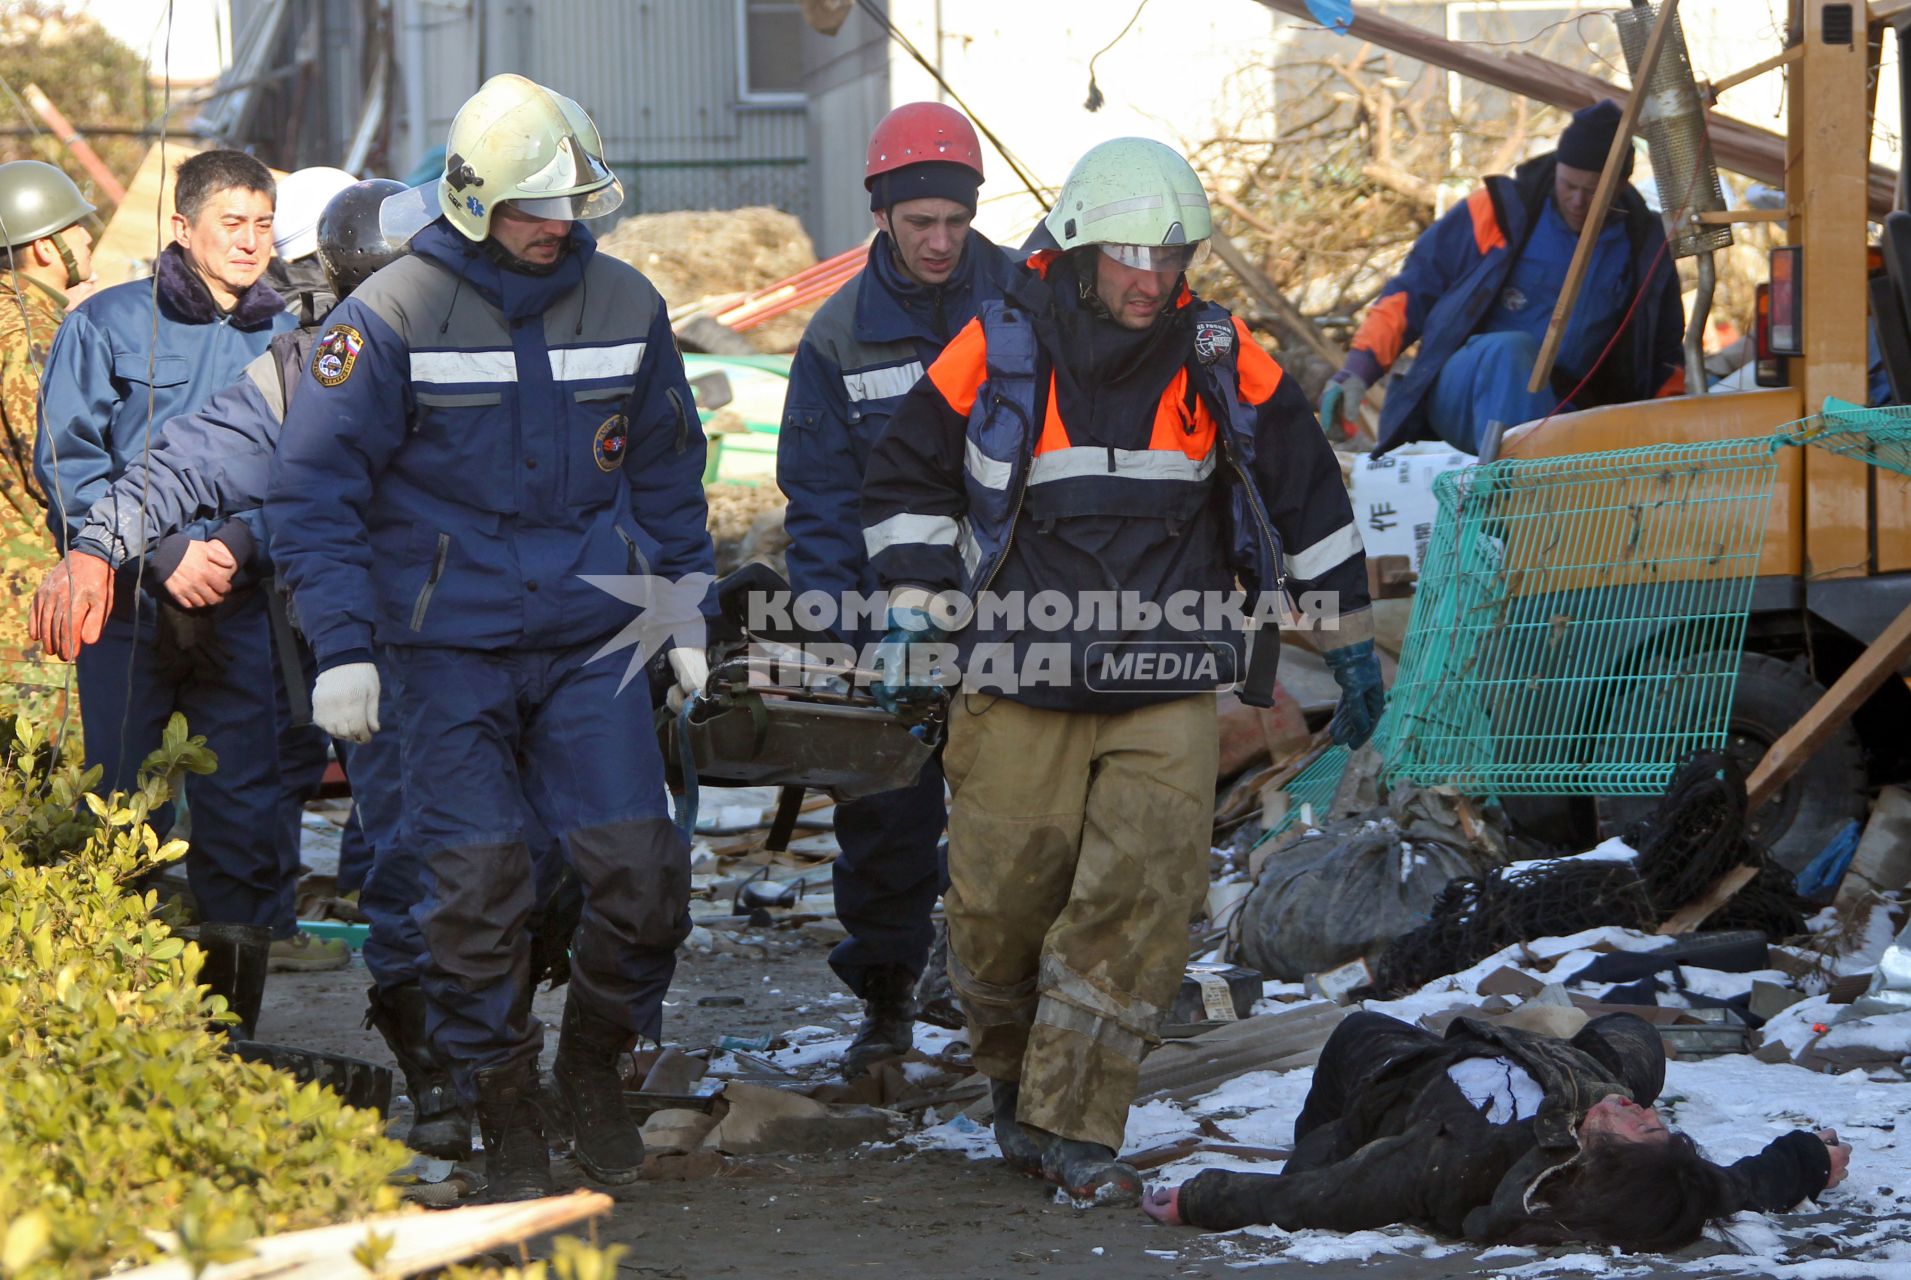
(89, 159)
(1695, 329)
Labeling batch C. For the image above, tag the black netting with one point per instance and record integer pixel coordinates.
(1475, 917)
(1696, 835)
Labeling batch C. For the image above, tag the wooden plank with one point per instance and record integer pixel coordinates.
(1725, 217)
(1289, 317)
(1737, 145)
(1754, 71)
(1881, 658)
(1609, 180)
(1694, 914)
(419, 1242)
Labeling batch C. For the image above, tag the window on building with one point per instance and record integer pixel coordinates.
(771, 39)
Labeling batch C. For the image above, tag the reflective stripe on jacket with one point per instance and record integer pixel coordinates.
(469, 442)
(971, 446)
(863, 351)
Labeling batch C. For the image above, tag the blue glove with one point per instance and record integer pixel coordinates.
(1341, 402)
(903, 660)
(1362, 696)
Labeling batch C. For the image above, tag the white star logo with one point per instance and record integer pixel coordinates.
(670, 612)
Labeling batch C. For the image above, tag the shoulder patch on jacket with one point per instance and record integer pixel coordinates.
(1212, 339)
(335, 354)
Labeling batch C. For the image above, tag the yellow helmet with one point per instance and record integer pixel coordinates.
(517, 140)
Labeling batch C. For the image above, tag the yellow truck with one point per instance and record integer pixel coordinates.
(1835, 567)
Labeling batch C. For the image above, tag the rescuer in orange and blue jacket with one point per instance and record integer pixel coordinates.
(1073, 493)
(1478, 291)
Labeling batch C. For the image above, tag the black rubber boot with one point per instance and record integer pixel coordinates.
(1021, 1148)
(605, 1141)
(889, 1020)
(439, 1126)
(1089, 1173)
(235, 968)
(517, 1164)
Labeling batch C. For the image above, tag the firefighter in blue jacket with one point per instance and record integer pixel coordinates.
(1478, 291)
(927, 274)
(491, 432)
(208, 465)
(1092, 465)
(119, 368)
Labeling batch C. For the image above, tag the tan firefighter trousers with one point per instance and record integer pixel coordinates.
(1078, 845)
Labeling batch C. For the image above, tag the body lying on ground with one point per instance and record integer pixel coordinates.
(1499, 1135)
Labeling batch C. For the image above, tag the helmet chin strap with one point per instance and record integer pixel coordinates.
(73, 276)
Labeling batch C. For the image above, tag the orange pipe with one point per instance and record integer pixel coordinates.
(83, 152)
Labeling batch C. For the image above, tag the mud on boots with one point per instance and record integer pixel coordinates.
(1087, 1172)
(1023, 1149)
(439, 1126)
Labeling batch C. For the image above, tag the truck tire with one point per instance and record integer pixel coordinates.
(1827, 792)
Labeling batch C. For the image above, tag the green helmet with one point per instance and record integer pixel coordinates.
(1137, 199)
(36, 200)
(516, 140)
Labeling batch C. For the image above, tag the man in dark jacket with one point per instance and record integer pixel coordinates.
(1095, 462)
(493, 438)
(1479, 1134)
(1478, 292)
(928, 272)
(128, 359)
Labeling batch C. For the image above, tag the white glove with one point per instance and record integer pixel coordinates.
(691, 668)
(345, 701)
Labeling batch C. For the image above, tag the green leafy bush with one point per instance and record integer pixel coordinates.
(125, 1133)
(119, 1116)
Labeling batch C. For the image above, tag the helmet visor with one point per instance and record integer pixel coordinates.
(571, 208)
(1158, 257)
(404, 215)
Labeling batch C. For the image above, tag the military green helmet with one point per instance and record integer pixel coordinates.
(36, 200)
(1137, 199)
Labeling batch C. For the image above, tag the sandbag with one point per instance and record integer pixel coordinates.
(1349, 889)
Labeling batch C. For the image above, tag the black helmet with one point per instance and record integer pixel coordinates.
(350, 244)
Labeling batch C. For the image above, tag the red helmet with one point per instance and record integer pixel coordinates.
(920, 131)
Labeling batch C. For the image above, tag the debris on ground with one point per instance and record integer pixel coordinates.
(703, 255)
(1347, 890)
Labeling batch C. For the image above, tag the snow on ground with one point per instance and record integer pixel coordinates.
(1731, 1106)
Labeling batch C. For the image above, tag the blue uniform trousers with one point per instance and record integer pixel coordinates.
(482, 732)
(301, 769)
(237, 866)
(1485, 382)
(888, 877)
(393, 880)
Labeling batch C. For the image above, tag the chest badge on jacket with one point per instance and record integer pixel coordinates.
(335, 354)
(608, 445)
(1212, 339)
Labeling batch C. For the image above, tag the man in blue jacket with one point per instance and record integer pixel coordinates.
(1478, 292)
(127, 360)
(492, 436)
(927, 274)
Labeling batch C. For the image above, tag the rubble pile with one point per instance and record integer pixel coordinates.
(697, 254)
